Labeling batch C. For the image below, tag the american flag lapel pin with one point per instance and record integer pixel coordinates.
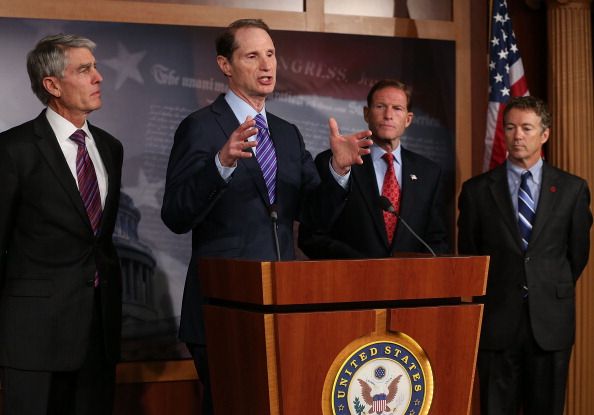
(413, 177)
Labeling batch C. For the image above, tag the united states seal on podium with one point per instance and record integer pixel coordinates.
(386, 374)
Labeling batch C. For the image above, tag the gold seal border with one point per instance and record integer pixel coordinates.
(399, 338)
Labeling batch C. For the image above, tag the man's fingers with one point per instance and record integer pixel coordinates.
(333, 126)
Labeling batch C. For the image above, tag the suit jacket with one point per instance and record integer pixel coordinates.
(49, 254)
(359, 230)
(232, 219)
(557, 253)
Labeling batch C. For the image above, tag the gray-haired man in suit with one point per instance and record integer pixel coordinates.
(60, 282)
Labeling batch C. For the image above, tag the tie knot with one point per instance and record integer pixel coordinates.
(260, 122)
(78, 137)
(388, 158)
(525, 176)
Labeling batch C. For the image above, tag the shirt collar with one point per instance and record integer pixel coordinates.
(63, 128)
(377, 152)
(242, 109)
(516, 171)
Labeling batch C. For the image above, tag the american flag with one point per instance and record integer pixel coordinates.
(506, 80)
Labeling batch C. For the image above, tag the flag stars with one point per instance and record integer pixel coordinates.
(498, 18)
(492, 65)
(495, 41)
(514, 48)
(507, 68)
(504, 35)
(503, 54)
(498, 77)
(504, 91)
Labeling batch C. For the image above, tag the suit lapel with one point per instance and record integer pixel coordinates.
(546, 200)
(364, 179)
(51, 151)
(228, 123)
(502, 200)
(409, 187)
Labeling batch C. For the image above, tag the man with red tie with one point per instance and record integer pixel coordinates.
(60, 282)
(390, 178)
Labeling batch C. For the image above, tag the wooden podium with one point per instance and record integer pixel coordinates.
(274, 329)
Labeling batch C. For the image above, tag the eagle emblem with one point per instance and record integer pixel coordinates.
(379, 398)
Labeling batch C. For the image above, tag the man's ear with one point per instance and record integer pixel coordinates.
(52, 86)
(409, 118)
(366, 114)
(545, 135)
(224, 64)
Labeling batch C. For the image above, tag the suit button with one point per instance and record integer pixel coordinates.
(527, 259)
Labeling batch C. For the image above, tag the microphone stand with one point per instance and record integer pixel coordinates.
(388, 207)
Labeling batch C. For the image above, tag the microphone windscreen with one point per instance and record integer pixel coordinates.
(386, 204)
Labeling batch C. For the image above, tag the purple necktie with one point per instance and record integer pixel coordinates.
(266, 157)
(87, 184)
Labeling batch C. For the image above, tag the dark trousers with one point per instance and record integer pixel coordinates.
(198, 353)
(87, 391)
(523, 376)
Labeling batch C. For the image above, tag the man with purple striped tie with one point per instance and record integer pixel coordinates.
(534, 221)
(236, 170)
(60, 282)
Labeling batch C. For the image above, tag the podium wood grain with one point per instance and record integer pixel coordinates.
(275, 328)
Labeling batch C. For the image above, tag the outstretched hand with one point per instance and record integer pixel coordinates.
(347, 149)
(237, 146)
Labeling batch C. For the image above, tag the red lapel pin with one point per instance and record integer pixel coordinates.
(553, 189)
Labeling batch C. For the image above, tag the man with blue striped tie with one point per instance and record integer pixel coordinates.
(534, 221)
(236, 168)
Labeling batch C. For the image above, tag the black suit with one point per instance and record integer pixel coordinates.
(359, 230)
(557, 254)
(49, 254)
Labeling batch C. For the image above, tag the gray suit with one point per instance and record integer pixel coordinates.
(557, 254)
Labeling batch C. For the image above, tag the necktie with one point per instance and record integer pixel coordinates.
(87, 184)
(391, 190)
(266, 157)
(526, 209)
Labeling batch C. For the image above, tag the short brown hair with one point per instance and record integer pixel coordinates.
(391, 83)
(225, 43)
(530, 103)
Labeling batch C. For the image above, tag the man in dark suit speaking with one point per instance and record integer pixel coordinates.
(411, 183)
(534, 221)
(236, 170)
(60, 282)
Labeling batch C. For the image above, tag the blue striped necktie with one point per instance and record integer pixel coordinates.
(266, 157)
(526, 209)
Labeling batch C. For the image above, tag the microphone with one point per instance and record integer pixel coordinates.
(388, 207)
(274, 218)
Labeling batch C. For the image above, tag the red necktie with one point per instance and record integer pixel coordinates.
(391, 190)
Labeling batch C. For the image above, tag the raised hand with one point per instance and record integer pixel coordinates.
(347, 149)
(237, 146)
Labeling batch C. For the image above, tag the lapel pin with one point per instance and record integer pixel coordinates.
(413, 177)
(553, 189)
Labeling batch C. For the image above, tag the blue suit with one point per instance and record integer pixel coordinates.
(232, 219)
